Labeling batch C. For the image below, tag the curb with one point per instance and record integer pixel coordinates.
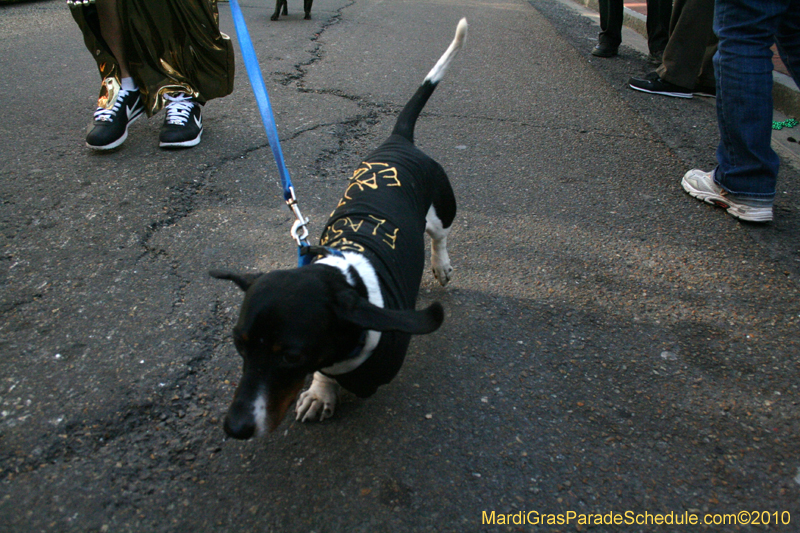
(785, 93)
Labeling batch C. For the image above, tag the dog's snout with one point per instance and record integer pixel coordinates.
(241, 423)
(247, 414)
(240, 427)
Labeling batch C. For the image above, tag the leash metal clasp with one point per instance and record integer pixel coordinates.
(299, 231)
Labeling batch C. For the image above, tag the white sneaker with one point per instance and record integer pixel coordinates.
(701, 185)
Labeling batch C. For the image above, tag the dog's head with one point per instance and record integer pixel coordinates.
(293, 322)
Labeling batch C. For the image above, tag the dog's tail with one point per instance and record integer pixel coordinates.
(408, 116)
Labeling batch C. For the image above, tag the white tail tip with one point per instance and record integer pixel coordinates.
(438, 70)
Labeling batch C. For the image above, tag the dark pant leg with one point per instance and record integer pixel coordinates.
(611, 22)
(659, 13)
(691, 44)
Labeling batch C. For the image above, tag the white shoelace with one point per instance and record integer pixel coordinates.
(178, 109)
(107, 115)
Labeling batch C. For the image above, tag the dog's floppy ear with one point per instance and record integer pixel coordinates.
(357, 310)
(244, 281)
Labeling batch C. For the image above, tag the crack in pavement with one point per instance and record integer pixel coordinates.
(317, 52)
(181, 203)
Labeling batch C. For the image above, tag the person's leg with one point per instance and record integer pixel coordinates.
(705, 78)
(692, 31)
(111, 30)
(602, 9)
(611, 13)
(788, 39)
(658, 25)
(655, 82)
(610, 37)
(747, 165)
(120, 102)
(180, 60)
(744, 180)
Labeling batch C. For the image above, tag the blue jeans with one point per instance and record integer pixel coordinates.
(748, 167)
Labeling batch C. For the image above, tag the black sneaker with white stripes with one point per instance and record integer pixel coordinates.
(655, 85)
(111, 122)
(183, 125)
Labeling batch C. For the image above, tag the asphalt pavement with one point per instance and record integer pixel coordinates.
(613, 349)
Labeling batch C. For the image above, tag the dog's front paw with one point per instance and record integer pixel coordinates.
(319, 401)
(440, 259)
(442, 271)
(443, 274)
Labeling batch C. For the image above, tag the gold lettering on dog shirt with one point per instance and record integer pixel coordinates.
(355, 227)
(356, 181)
(390, 174)
(375, 171)
(336, 233)
(381, 221)
(393, 236)
(341, 225)
(367, 177)
(346, 245)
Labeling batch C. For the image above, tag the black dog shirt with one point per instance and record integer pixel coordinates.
(382, 216)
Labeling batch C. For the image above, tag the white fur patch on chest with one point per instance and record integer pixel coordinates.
(361, 265)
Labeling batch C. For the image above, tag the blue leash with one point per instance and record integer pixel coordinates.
(299, 230)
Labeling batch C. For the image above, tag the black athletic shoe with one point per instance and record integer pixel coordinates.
(111, 123)
(605, 50)
(655, 85)
(183, 125)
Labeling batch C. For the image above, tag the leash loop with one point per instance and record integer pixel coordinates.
(299, 231)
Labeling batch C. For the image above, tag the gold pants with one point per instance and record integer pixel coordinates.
(171, 46)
